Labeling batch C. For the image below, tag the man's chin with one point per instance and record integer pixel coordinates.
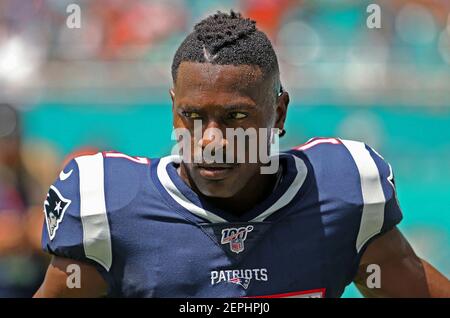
(219, 189)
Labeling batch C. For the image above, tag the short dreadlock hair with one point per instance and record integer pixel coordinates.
(227, 39)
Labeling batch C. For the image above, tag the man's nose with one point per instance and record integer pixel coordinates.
(213, 135)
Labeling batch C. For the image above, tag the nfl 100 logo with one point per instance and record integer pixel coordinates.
(236, 237)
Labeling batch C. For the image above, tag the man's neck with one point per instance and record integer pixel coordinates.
(254, 192)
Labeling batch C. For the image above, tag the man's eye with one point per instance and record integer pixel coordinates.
(237, 115)
(191, 115)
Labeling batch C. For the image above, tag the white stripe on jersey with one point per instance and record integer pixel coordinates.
(96, 232)
(290, 193)
(372, 192)
(176, 194)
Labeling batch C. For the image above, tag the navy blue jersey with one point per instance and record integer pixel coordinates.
(150, 235)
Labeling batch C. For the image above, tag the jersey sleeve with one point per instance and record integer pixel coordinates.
(76, 223)
(380, 210)
(392, 211)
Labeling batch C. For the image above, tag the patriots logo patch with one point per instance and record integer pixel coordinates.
(244, 282)
(54, 207)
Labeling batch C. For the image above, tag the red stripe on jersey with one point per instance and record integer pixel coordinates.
(316, 141)
(116, 154)
(313, 293)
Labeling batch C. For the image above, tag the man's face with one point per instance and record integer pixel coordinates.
(221, 97)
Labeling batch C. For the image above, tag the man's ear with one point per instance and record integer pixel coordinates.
(281, 111)
(172, 95)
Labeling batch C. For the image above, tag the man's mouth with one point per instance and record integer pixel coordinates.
(215, 171)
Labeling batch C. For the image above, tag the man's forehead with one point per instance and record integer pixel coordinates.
(192, 75)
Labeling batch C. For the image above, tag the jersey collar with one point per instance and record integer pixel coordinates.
(180, 195)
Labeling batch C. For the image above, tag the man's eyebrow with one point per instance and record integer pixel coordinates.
(239, 106)
(188, 107)
(230, 107)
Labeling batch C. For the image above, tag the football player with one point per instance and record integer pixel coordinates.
(169, 227)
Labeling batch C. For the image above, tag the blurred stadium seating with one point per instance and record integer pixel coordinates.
(106, 84)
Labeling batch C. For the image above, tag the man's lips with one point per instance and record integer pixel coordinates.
(216, 165)
(215, 171)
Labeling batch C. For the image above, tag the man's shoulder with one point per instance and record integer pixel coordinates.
(336, 154)
(118, 175)
(113, 176)
(346, 169)
(326, 154)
